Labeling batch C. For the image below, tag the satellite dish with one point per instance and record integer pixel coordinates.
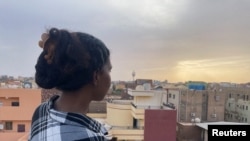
(27, 85)
(197, 120)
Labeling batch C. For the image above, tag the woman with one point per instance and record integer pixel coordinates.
(77, 64)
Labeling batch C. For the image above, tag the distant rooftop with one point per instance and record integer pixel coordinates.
(205, 124)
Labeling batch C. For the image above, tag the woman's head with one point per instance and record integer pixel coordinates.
(70, 60)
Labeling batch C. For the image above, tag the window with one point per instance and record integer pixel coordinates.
(173, 96)
(217, 98)
(213, 115)
(169, 95)
(8, 125)
(20, 128)
(14, 103)
(135, 123)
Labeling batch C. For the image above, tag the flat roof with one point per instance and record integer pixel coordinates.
(141, 92)
(204, 125)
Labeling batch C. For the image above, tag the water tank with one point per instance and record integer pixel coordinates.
(147, 86)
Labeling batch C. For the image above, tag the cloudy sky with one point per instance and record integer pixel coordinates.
(174, 40)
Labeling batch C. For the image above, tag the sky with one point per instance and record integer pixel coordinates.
(173, 40)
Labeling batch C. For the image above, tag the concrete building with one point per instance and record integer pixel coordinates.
(216, 105)
(16, 110)
(196, 104)
(145, 118)
(153, 114)
(219, 104)
(198, 131)
(237, 106)
(188, 132)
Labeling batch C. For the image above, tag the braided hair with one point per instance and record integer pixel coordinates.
(69, 60)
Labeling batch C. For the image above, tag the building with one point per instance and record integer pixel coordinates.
(237, 106)
(16, 110)
(145, 118)
(196, 103)
(173, 112)
(188, 132)
(217, 104)
(198, 131)
(20, 82)
(204, 128)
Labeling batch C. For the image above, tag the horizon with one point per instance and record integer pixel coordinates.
(170, 82)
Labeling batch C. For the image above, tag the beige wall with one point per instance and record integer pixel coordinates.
(140, 122)
(119, 114)
(97, 115)
(148, 99)
(137, 113)
(173, 99)
(128, 134)
(120, 117)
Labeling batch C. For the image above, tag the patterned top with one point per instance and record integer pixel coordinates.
(51, 125)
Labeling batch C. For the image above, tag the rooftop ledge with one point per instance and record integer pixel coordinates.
(140, 92)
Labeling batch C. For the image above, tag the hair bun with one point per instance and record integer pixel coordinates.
(54, 33)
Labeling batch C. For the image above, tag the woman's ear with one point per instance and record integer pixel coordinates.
(95, 78)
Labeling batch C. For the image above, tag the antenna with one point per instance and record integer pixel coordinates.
(133, 75)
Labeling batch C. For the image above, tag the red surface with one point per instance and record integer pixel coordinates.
(160, 125)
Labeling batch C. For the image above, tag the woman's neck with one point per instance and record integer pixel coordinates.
(75, 102)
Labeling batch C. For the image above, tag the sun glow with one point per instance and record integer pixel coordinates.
(220, 69)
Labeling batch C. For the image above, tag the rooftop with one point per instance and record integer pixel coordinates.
(205, 124)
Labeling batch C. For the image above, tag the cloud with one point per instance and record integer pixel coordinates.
(142, 35)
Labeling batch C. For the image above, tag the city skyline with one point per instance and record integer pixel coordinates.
(162, 40)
